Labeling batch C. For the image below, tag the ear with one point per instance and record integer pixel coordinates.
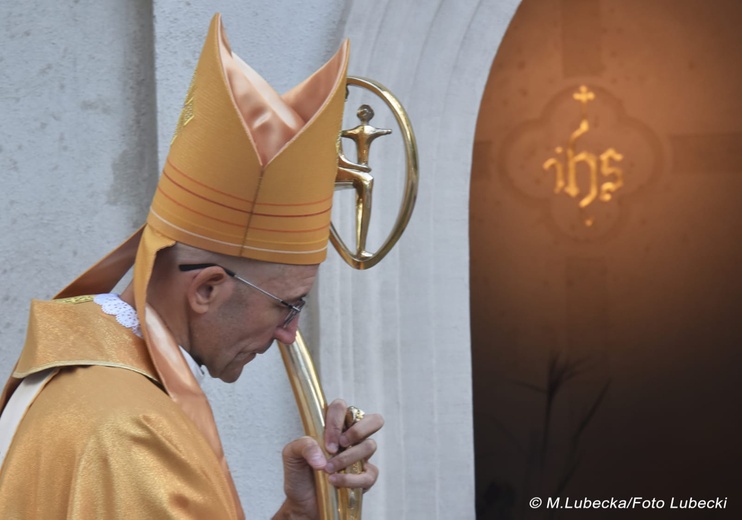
(209, 288)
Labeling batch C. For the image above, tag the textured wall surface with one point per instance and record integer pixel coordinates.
(76, 159)
(90, 93)
(77, 156)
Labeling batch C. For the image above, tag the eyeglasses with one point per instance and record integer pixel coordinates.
(294, 309)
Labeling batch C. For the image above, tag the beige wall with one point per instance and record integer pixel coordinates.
(637, 311)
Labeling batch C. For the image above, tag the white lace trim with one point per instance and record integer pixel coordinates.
(125, 314)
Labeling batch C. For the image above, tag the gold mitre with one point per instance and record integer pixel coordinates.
(251, 173)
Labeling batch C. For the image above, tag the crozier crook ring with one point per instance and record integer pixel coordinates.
(344, 503)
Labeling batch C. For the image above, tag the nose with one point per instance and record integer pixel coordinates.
(287, 334)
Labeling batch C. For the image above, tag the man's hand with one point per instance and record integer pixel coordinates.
(345, 447)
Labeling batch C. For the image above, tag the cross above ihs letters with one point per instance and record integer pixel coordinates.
(583, 96)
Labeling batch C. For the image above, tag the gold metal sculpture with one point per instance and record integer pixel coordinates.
(345, 504)
(356, 175)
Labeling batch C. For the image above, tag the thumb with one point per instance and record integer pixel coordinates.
(304, 451)
(300, 458)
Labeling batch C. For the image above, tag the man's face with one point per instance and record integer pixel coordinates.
(230, 336)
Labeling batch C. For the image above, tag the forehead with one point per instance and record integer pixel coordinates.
(291, 280)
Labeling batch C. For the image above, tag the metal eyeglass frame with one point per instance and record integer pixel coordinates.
(294, 309)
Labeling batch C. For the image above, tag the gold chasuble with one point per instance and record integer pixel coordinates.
(103, 440)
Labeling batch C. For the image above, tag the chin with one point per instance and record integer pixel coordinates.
(233, 374)
(231, 377)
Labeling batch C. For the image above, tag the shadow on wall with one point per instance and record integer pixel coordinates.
(547, 471)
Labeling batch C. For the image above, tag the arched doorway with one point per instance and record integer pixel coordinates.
(605, 241)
